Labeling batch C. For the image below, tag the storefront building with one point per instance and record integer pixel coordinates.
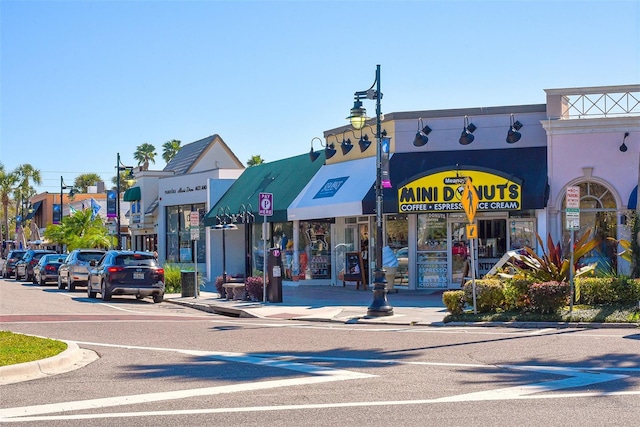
(520, 159)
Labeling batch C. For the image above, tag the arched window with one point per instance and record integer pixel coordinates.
(598, 214)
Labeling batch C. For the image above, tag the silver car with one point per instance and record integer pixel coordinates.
(75, 269)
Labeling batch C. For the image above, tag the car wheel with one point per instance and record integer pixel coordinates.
(70, 285)
(60, 285)
(33, 280)
(158, 298)
(90, 292)
(106, 295)
(41, 281)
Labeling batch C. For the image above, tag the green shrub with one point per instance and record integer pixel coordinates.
(489, 294)
(454, 301)
(516, 293)
(548, 297)
(608, 290)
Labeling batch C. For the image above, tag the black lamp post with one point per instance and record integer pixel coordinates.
(246, 217)
(224, 223)
(119, 168)
(63, 186)
(358, 117)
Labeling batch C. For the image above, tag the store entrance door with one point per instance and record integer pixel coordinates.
(459, 251)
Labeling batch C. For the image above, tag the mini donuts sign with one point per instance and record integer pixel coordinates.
(442, 192)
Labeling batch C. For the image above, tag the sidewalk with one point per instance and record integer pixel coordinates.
(322, 302)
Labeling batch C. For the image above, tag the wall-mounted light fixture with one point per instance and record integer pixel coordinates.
(466, 137)
(313, 155)
(421, 138)
(513, 135)
(623, 147)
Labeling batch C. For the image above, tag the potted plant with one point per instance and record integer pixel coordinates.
(254, 287)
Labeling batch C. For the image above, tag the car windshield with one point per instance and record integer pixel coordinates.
(89, 256)
(51, 258)
(136, 260)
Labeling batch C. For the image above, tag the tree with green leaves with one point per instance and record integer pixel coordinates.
(144, 154)
(255, 160)
(8, 181)
(85, 180)
(170, 149)
(80, 231)
(125, 181)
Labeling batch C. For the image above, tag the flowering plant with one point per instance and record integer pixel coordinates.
(254, 285)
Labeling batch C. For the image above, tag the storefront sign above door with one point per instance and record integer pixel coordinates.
(442, 192)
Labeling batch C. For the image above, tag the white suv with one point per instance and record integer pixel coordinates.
(75, 269)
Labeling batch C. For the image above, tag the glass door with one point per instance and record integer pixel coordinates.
(459, 251)
(432, 261)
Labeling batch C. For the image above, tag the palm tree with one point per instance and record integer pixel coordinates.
(80, 231)
(255, 160)
(7, 184)
(144, 154)
(170, 149)
(26, 174)
(85, 180)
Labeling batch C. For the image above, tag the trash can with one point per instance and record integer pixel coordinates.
(274, 286)
(188, 283)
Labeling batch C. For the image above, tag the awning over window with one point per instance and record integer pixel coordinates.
(35, 208)
(336, 190)
(283, 178)
(633, 199)
(529, 165)
(132, 195)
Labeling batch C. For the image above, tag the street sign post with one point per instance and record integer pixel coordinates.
(194, 228)
(265, 203)
(572, 215)
(470, 205)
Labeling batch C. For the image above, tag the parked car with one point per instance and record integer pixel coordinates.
(9, 267)
(24, 267)
(75, 269)
(126, 273)
(46, 270)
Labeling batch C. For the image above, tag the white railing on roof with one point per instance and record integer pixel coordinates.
(593, 102)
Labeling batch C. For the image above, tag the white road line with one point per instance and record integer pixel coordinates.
(295, 407)
(574, 377)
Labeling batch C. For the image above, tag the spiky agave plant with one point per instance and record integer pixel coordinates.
(553, 265)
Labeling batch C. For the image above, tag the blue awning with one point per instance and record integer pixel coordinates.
(633, 199)
(34, 210)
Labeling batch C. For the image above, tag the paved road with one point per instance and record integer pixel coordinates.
(165, 364)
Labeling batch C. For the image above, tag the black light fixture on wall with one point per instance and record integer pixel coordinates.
(513, 135)
(466, 137)
(421, 138)
(345, 145)
(623, 147)
(313, 155)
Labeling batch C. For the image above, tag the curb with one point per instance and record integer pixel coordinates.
(41, 368)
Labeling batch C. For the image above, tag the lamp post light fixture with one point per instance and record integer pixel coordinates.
(224, 222)
(63, 187)
(358, 117)
(245, 216)
(119, 168)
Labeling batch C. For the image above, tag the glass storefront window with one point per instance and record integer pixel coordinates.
(432, 263)
(180, 246)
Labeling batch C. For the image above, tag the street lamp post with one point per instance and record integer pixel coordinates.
(246, 217)
(224, 223)
(63, 186)
(380, 306)
(119, 168)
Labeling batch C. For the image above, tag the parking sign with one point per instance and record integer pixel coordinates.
(266, 204)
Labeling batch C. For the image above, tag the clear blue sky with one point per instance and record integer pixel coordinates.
(85, 80)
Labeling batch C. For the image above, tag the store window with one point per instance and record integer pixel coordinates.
(180, 245)
(432, 260)
(597, 215)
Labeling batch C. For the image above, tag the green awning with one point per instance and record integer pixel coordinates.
(283, 178)
(132, 195)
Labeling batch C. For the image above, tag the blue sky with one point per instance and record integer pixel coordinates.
(84, 80)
